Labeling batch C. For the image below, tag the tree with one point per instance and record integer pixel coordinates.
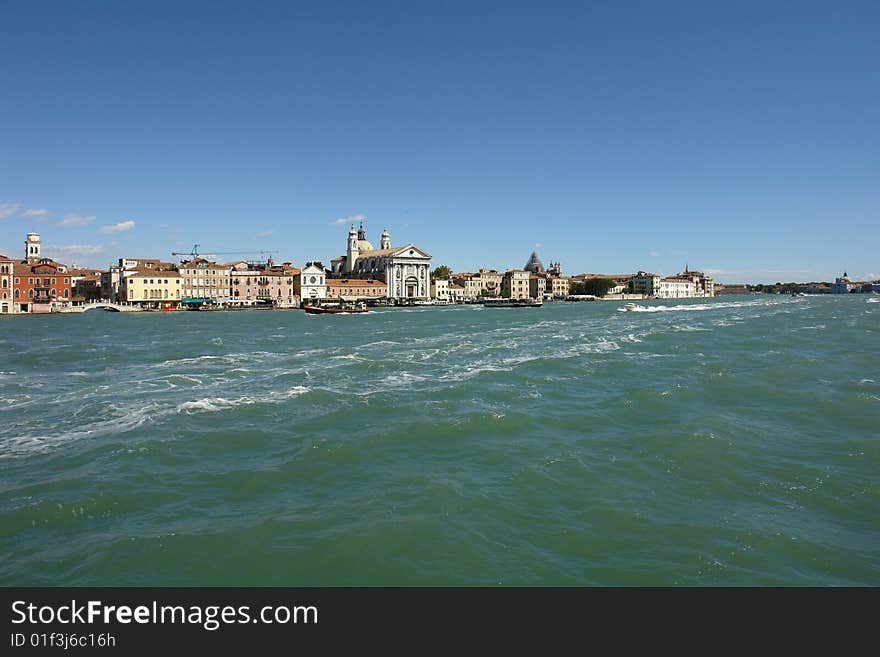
(597, 287)
(441, 272)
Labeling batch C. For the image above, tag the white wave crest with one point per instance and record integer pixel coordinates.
(211, 404)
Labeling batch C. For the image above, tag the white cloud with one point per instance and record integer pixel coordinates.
(8, 209)
(74, 249)
(654, 254)
(264, 233)
(537, 245)
(353, 219)
(117, 228)
(76, 220)
(36, 213)
(718, 272)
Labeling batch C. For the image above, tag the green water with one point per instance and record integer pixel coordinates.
(728, 442)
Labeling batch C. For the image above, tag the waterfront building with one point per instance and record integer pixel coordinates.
(356, 289)
(110, 284)
(558, 286)
(645, 283)
(7, 267)
(311, 282)
(112, 281)
(205, 282)
(39, 285)
(86, 284)
(686, 285)
(151, 288)
(457, 293)
(440, 289)
(843, 285)
(404, 270)
(484, 283)
(676, 287)
(264, 284)
(537, 286)
(515, 284)
(704, 286)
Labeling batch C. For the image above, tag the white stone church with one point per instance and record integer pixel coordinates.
(405, 270)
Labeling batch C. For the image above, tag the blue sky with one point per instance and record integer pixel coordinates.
(740, 138)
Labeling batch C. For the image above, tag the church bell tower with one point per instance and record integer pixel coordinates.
(353, 250)
(32, 247)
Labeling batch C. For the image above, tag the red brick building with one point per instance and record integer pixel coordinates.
(38, 284)
(43, 286)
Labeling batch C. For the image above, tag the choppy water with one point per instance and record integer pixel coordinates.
(735, 441)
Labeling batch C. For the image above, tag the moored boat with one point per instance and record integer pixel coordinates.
(335, 310)
(502, 302)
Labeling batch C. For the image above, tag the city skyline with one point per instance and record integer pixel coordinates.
(735, 140)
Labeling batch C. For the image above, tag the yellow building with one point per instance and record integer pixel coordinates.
(152, 289)
(515, 284)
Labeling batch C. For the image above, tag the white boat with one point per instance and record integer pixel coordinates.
(633, 307)
(423, 302)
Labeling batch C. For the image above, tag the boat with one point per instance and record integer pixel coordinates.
(424, 302)
(633, 307)
(501, 302)
(335, 310)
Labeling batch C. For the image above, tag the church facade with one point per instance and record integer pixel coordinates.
(405, 270)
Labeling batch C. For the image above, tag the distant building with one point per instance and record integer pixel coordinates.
(7, 267)
(112, 280)
(151, 288)
(205, 282)
(264, 284)
(311, 283)
(457, 293)
(484, 283)
(686, 285)
(404, 270)
(558, 286)
(86, 284)
(843, 285)
(38, 284)
(676, 287)
(646, 283)
(440, 289)
(356, 289)
(537, 285)
(515, 284)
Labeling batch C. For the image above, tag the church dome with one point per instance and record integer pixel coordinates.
(534, 265)
(364, 245)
